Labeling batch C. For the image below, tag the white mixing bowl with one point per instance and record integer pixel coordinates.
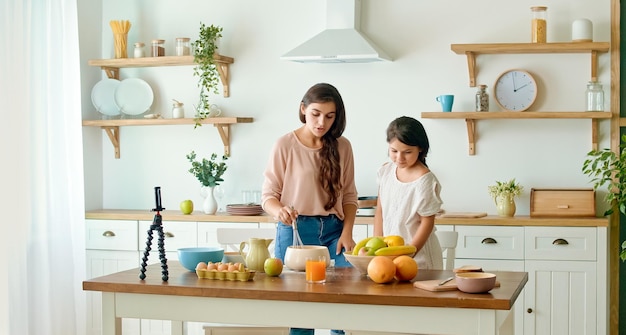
(295, 258)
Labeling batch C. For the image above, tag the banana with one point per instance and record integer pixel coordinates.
(360, 245)
(396, 250)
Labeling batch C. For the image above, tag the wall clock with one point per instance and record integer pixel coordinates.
(515, 90)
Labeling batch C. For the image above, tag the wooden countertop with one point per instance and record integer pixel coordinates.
(343, 285)
(492, 220)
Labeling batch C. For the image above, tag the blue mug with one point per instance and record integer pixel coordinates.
(446, 101)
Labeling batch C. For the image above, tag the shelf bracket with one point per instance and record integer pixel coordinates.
(223, 70)
(471, 135)
(594, 65)
(594, 134)
(112, 72)
(224, 131)
(471, 65)
(114, 135)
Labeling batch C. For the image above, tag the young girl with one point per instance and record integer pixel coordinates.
(408, 193)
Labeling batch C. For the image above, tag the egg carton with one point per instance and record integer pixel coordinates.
(226, 275)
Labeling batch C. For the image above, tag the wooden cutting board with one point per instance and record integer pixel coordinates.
(463, 215)
(433, 285)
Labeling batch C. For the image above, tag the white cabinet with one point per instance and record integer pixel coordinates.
(566, 289)
(111, 247)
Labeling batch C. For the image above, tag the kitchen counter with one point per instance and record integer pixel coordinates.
(197, 216)
(361, 303)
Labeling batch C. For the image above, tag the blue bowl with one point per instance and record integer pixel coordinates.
(190, 257)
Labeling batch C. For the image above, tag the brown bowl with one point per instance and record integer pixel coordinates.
(475, 282)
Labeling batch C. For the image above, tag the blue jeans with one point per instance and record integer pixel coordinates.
(313, 230)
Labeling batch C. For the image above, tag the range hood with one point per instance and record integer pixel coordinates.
(341, 42)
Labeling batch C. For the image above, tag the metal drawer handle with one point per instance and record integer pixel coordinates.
(560, 241)
(168, 234)
(108, 233)
(530, 310)
(489, 240)
(562, 206)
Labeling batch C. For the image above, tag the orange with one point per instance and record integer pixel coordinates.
(406, 268)
(381, 269)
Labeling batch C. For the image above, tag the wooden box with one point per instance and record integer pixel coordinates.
(562, 202)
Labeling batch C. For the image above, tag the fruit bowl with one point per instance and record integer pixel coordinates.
(475, 282)
(295, 257)
(190, 257)
(361, 262)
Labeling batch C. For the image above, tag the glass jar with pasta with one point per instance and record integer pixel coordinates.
(539, 24)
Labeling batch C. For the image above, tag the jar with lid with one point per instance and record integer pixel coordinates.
(595, 97)
(158, 48)
(482, 99)
(182, 46)
(178, 111)
(139, 51)
(539, 24)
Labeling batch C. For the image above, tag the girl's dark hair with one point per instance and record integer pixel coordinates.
(330, 169)
(410, 132)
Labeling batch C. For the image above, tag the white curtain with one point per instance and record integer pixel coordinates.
(42, 259)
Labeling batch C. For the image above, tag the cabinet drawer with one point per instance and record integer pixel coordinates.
(562, 203)
(111, 234)
(561, 243)
(178, 234)
(489, 242)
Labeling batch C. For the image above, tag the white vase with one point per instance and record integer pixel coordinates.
(209, 205)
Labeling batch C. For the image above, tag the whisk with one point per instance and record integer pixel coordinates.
(297, 242)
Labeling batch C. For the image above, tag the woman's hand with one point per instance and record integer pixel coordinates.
(287, 215)
(345, 242)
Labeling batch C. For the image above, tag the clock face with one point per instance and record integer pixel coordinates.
(515, 90)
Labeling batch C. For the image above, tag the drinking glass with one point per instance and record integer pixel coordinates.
(315, 269)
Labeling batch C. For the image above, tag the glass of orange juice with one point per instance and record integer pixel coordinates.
(315, 269)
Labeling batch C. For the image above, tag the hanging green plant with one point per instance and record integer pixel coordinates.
(204, 49)
(606, 167)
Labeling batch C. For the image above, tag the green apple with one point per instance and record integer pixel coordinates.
(186, 206)
(374, 244)
(273, 266)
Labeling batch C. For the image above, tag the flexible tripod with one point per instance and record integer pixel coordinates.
(156, 225)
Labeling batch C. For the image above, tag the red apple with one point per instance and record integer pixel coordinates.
(273, 266)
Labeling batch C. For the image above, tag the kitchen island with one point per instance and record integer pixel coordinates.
(346, 301)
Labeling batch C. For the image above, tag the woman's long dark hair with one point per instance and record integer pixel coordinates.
(330, 168)
(410, 132)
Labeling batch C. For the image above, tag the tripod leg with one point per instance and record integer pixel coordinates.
(146, 253)
(161, 244)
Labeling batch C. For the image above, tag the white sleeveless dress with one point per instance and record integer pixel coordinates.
(403, 204)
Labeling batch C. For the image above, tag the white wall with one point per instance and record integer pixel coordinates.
(417, 34)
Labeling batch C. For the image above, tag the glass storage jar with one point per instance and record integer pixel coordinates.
(595, 97)
(482, 99)
(539, 24)
(182, 46)
(158, 48)
(139, 51)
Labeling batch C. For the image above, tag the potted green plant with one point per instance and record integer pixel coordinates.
(209, 173)
(204, 49)
(606, 167)
(504, 194)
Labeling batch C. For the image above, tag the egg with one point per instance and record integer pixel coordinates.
(201, 266)
(223, 267)
(211, 266)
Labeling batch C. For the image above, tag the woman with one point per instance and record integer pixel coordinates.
(408, 193)
(310, 177)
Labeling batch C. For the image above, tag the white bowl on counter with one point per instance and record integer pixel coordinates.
(295, 257)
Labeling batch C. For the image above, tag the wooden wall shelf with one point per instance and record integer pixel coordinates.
(473, 50)
(112, 127)
(471, 117)
(112, 66)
